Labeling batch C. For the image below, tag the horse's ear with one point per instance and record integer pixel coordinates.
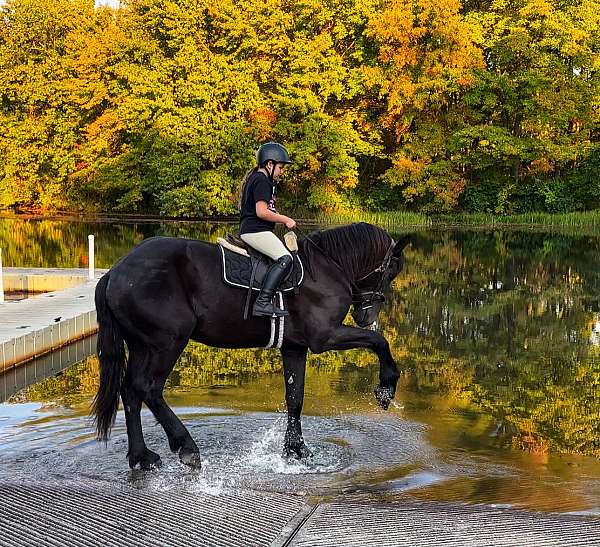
(400, 244)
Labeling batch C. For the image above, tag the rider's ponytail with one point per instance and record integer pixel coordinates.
(243, 184)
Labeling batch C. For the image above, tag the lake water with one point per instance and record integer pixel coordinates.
(498, 337)
(17, 296)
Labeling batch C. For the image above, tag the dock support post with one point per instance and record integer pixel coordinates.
(91, 256)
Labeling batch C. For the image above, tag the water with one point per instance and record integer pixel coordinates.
(498, 337)
(17, 296)
(428, 449)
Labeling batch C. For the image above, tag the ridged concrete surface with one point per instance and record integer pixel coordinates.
(35, 326)
(414, 524)
(47, 515)
(55, 516)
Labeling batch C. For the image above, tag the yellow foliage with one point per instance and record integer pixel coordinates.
(425, 47)
(407, 165)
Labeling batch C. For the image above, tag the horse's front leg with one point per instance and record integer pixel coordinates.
(345, 337)
(294, 367)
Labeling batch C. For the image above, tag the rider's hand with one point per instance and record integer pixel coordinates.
(290, 223)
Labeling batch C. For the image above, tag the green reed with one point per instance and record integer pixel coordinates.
(587, 221)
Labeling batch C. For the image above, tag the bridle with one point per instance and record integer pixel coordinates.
(361, 300)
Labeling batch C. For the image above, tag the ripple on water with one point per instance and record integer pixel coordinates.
(238, 451)
(375, 454)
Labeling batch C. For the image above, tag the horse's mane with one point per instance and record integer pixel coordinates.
(358, 248)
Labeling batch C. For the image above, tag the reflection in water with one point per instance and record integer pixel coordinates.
(435, 447)
(18, 378)
(17, 296)
(506, 320)
(498, 337)
(64, 244)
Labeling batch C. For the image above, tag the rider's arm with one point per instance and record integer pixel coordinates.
(262, 211)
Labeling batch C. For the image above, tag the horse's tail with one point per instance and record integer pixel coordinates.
(111, 354)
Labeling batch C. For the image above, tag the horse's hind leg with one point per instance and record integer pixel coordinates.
(179, 438)
(133, 390)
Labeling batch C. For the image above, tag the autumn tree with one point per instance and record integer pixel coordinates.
(38, 122)
(424, 66)
(158, 106)
(533, 111)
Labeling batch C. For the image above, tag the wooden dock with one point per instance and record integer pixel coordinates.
(45, 322)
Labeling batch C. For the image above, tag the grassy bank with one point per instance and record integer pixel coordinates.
(384, 219)
(587, 220)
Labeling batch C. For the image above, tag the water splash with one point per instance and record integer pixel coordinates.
(176, 476)
(265, 455)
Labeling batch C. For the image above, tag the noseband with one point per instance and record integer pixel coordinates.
(363, 300)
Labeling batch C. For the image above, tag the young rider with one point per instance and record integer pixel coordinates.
(258, 217)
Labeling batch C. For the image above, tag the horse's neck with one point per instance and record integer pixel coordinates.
(334, 255)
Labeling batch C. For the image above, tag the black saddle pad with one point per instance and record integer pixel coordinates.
(237, 270)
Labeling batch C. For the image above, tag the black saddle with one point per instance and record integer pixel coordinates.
(244, 267)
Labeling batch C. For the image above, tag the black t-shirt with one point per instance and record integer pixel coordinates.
(258, 188)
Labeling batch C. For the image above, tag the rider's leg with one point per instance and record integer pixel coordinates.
(269, 244)
(264, 304)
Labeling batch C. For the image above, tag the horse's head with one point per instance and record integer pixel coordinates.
(369, 259)
(373, 287)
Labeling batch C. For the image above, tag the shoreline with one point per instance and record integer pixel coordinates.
(388, 219)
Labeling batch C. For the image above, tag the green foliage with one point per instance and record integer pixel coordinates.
(158, 106)
(532, 114)
(210, 193)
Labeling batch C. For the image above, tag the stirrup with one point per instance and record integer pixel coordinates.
(274, 312)
(267, 309)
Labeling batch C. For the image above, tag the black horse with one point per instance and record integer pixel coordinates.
(167, 291)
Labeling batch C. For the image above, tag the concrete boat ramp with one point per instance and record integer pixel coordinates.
(69, 515)
(45, 322)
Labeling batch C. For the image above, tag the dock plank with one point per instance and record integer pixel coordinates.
(67, 514)
(34, 326)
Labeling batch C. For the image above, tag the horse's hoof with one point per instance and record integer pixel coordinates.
(384, 396)
(191, 458)
(305, 452)
(147, 460)
(301, 452)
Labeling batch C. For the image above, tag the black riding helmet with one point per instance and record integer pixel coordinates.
(272, 151)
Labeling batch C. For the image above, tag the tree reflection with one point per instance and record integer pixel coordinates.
(64, 244)
(506, 319)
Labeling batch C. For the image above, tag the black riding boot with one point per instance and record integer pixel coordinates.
(275, 275)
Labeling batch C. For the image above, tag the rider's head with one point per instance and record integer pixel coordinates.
(272, 157)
